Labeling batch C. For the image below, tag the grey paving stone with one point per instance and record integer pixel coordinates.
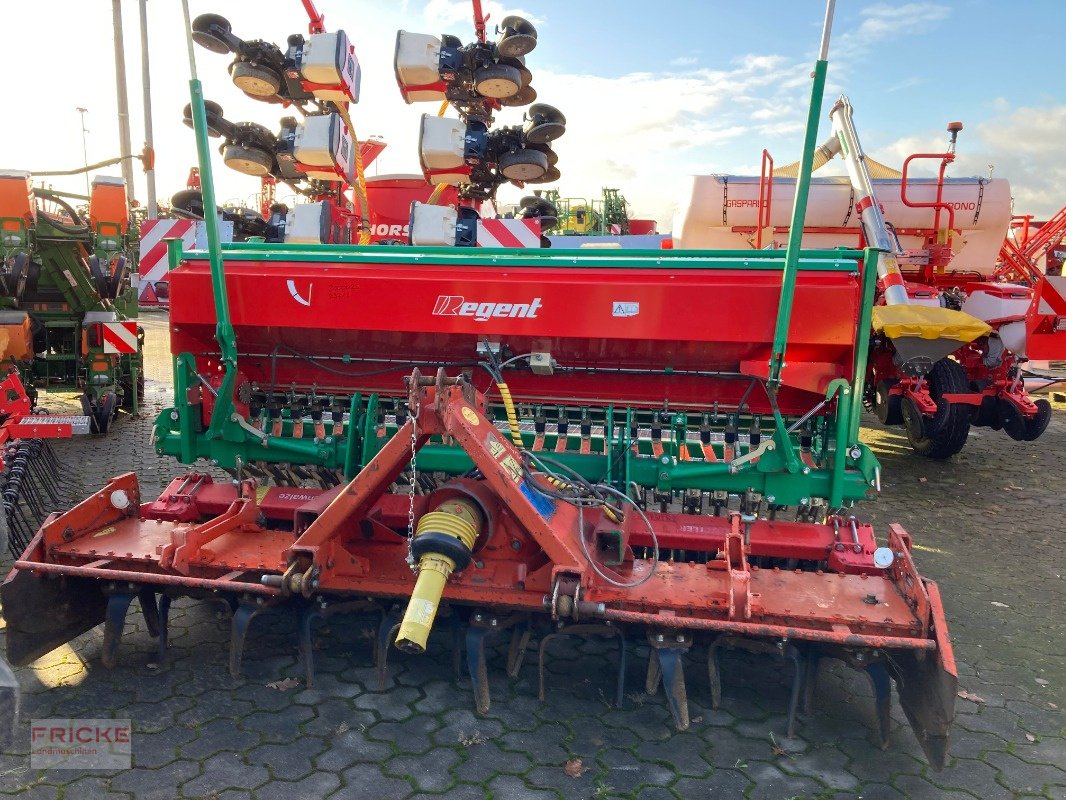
(289, 762)
(485, 760)
(430, 772)
(320, 784)
(1022, 777)
(283, 725)
(509, 787)
(155, 784)
(153, 750)
(721, 783)
(220, 735)
(918, 788)
(410, 736)
(371, 781)
(685, 753)
(772, 784)
(224, 771)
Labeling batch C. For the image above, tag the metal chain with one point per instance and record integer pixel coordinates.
(411, 489)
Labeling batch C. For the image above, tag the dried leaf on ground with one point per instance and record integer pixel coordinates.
(284, 685)
(998, 604)
(574, 768)
(1030, 738)
(973, 698)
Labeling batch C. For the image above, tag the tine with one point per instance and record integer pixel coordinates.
(810, 679)
(882, 686)
(387, 631)
(540, 664)
(307, 655)
(714, 672)
(799, 665)
(242, 618)
(164, 619)
(114, 623)
(651, 682)
(673, 674)
(517, 652)
(149, 609)
(475, 662)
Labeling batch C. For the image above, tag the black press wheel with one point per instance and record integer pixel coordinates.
(523, 165)
(944, 434)
(887, 406)
(105, 412)
(523, 97)
(1035, 427)
(249, 160)
(1018, 427)
(497, 81)
(254, 79)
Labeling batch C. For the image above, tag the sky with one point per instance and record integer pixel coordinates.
(653, 93)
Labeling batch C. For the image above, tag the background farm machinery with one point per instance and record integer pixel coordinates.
(68, 300)
(945, 248)
(522, 442)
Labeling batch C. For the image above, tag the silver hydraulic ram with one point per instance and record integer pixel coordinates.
(921, 335)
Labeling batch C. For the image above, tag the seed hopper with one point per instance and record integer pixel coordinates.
(652, 446)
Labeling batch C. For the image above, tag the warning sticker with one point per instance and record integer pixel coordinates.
(496, 447)
(422, 611)
(514, 469)
(470, 415)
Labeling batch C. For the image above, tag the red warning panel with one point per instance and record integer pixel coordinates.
(120, 337)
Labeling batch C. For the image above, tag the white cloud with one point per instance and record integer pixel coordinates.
(1023, 145)
(456, 12)
(881, 22)
(683, 61)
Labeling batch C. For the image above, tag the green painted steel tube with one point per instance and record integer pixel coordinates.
(795, 232)
(862, 341)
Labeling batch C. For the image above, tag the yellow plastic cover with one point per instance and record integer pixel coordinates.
(927, 322)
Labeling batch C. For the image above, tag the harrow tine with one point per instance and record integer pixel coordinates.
(118, 603)
(387, 630)
(516, 653)
(243, 615)
(665, 664)
(799, 675)
(881, 682)
(150, 611)
(810, 679)
(475, 661)
(582, 630)
(322, 610)
(164, 620)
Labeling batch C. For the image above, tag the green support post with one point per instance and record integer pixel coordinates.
(799, 209)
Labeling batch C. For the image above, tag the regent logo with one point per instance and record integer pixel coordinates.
(455, 305)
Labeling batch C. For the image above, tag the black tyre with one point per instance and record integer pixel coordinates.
(519, 37)
(248, 160)
(523, 97)
(105, 413)
(127, 393)
(986, 415)
(943, 435)
(497, 81)
(209, 31)
(551, 176)
(1012, 420)
(1036, 426)
(886, 405)
(255, 80)
(189, 201)
(523, 165)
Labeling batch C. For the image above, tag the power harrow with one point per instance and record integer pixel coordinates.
(651, 445)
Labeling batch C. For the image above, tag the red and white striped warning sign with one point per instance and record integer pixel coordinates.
(120, 337)
(508, 233)
(153, 264)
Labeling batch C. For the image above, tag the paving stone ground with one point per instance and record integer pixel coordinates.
(988, 526)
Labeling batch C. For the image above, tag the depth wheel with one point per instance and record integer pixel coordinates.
(248, 160)
(523, 165)
(497, 81)
(1036, 426)
(255, 81)
(943, 435)
(886, 405)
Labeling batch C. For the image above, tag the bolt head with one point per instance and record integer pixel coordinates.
(659, 637)
(174, 415)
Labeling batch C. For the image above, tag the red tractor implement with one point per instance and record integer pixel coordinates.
(644, 445)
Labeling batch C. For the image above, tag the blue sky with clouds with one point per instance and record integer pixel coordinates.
(653, 93)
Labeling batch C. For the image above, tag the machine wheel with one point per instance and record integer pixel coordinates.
(986, 415)
(255, 80)
(945, 434)
(550, 176)
(887, 406)
(497, 81)
(523, 97)
(519, 37)
(248, 160)
(523, 165)
(105, 412)
(127, 392)
(210, 30)
(1035, 427)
